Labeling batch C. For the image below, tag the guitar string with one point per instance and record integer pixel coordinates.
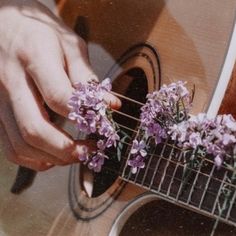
(157, 165)
(174, 162)
(207, 184)
(204, 191)
(129, 154)
(137, 173)
(179, 164)
(170, 145)
(231, 205)
(126, 115)
(148, 165)
(180, 180)
(218, 194)
(209, 177)
(127, 98)
(180, 154)
(178, 149)
(195, 181)
(182, 183)
(166, 168)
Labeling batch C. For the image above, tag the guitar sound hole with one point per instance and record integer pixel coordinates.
(132, 84)
(163, 218)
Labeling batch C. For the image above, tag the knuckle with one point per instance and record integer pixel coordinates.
(30, 133)
(39, 43)
(77, 45)
(55, 98)
(71, 39)
(67, 151)
(74, 39)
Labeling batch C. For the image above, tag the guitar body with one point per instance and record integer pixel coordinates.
(103, 215)
(140, 45)
(128, 41)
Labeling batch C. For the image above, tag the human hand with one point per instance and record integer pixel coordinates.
(40, 60)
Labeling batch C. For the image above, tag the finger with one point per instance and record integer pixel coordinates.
(11, 155)
(77, 60)
(19, 145)
(79, 68)
(45, 64)
(32, 164)
(113, 101)
(34, 128)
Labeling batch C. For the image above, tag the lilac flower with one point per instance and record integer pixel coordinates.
(216, 135)
(165, 114)
(197, 122)
(156, 131)
(138, 148)
(89, 110)
(178, 132)
(101, 145)
(213, 148)
(97, 161)
(228, 121)
(105, 85)
(195, 140)
(73, 116)
(218, 161)
(105, 127)
(165, 108)
(90, 118)
(136, 163)
(138, 153)
(228, 139)
(112, 140)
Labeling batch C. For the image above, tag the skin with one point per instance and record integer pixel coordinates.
(40, 60)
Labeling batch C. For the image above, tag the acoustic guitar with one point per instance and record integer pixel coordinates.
(140, 45)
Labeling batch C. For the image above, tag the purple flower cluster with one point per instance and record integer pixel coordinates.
(164, 108)
(217, 136)
(168, 106)
(89, 110)
(138, 154)
(165, 115)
